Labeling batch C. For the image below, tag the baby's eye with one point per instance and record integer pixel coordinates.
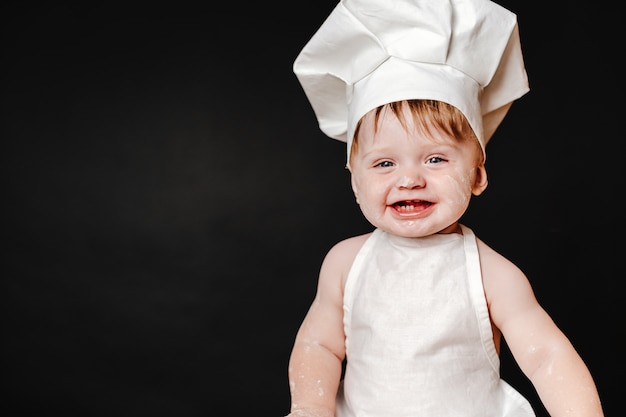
(384, 164)
(435, 160)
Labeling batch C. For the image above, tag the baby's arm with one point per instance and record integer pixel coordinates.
(545, 355)
(319, 348)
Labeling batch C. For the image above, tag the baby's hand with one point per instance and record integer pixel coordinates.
(311, 412)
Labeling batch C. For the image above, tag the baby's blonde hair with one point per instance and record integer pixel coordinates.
(427, 114)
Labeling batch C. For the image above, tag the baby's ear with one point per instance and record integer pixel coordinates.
(480, 181)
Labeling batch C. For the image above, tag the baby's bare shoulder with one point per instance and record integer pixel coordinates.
(352, 244)
(340, 257)
(506, 286)
(494, 263)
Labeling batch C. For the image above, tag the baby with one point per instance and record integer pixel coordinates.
(407, 319)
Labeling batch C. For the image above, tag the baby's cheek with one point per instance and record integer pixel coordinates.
(460, 190)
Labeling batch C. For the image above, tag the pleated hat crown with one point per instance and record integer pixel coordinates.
(367, 53)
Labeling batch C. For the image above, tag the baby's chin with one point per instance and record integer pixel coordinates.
(416, 229)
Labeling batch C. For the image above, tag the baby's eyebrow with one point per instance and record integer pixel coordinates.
(377, 154)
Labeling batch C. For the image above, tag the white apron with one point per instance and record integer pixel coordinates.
(418, 336)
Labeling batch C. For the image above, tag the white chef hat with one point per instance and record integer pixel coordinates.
(367, 53)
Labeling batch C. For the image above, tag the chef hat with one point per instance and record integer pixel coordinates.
(367, 53)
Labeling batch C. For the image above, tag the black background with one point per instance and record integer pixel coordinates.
(168, 199)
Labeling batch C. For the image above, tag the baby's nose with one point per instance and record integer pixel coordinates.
(412, 180)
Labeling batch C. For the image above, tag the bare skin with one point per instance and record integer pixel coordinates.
(408, 184)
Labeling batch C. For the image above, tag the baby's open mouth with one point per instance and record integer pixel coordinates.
(410, 206)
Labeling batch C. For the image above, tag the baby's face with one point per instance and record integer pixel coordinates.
(411, 183)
